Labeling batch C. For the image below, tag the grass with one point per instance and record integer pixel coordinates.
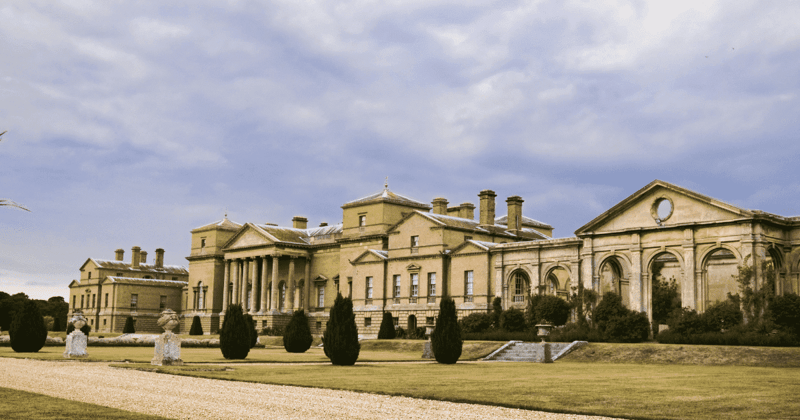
(610, 389)
(16, 404)
(371, 351)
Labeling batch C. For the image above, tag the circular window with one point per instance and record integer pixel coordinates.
(662, 209)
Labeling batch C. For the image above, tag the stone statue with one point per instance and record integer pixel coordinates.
(168, 345)
(76, 340)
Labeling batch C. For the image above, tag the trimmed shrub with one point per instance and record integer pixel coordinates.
(446, 340)
(272, 331)
(400, 333)
(251, 328)
(476, 322)
(497, 310)
(547, 308)
(297, 337)
(513, 320)
(234, 337)
(387, 327)
(129, 327)
(86, 329)
(197, 327)
(786, 312)
(28, 332)
(609, 307)
(721, 315)
(340, 340)
(57, 324)
(686, 321)
(633, 327)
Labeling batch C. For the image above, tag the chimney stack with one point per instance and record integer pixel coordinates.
(323, 224)
(487, 207)
(514, 212)
(120, 254)
(299, 222)
(135, 257)
(142, 257)
(466, 211)
(159, 258)
(440, 205)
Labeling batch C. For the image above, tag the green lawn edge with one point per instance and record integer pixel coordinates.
(16, 404)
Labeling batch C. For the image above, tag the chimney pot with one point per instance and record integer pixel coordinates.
(142, 257)
(514, 212)
(135, 256)
(299, 222)
(440, 205)
(323, 224)
(159, 257)
(120, 254)
(466, 211)
(487, 207)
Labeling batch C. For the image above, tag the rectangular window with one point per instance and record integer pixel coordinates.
(202, 242)
(396, 321)
(430, 320)
(350, 287)
(93, 299)
(369, 287)
(431, 287)
(367, 322)
(362, 220)
(468, 284)
(82, 301)
(106, 300)
(319, 325)
(119, 274)
(73, 301)
(396, 288)
(104, 322)
(320, 296)
(414, 241)
(414, 287)
(134, 300)
(89, 275)
(163, 303)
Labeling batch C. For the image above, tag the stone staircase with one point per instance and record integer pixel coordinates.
(518, 351)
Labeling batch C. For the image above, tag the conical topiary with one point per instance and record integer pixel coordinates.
(446, 340)
(387, 327)
(28, 332)
(340, 339)
(234, 338)
(129, 328)
(297, 336)
(197, 327)
(251, 328)
(56, 324)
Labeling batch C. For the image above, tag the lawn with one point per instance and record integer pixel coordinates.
(610, 389)
(29, 406)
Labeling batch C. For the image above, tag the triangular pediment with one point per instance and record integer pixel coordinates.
(469, 247)
(413, 267)
(250, 236)
(369, 256)
(662, 204)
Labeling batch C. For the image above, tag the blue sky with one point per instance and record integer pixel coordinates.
(130, 123)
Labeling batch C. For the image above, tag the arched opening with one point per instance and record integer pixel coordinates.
(412, 323)
(665, 274)
(720, 269)
(557, 282)
(773, 271)
(519, 286)
(613, 280)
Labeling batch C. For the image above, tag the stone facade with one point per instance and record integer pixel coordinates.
(392, 253)
(111, 290)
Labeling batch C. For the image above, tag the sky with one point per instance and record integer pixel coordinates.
(131, 123)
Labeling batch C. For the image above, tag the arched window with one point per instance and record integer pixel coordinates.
(552, 285)
(412, 322)
(520, 283)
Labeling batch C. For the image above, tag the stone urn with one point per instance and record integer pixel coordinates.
(76, 340)
(168, 345)
(543, 329)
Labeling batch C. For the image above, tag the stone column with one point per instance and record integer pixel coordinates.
(307, 286)
(264, 304)
(276, 259)
(235, 296)
(254, 285)
(226, 267)
(689, 284)
(587, 266)
(243, 290)
(636, 282)
(289, 304)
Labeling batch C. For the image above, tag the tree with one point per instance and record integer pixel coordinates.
(340, 339)
(446, 340)
(666, 297)
(129, 326)
(609, 307)
(28, 332)
(234, 337)
(547, 308)
(497, 310)
(251, 327)
(297, 336)
(197, 327)
(57, 325)
(513, 320)
(387, 327)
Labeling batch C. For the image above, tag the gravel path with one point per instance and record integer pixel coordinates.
(196, 398)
